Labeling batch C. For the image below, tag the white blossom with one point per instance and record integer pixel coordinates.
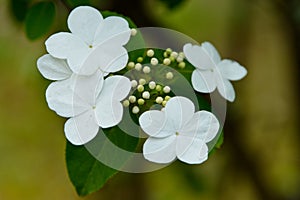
(178, 132)
(90, 103)
(93, 42)
(211, 72)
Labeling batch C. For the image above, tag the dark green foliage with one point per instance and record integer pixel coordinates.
(85, 171)
(39, 19)
(19, 9)
(172, 3)
(75, 3)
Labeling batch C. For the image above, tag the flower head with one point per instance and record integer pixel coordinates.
(178, 131)
(90, 33)
(90, 102)
(211, 72)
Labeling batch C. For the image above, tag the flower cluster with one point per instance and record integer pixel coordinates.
(83, 64)
(78, 62)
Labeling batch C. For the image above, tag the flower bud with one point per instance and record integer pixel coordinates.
(130, 65)
(158, 88)
(150, 53)
(134, 83)
(142, 81)
(138, 66)
(133, 32)
(132, 99)
(154, 61)
(167, 61)
(181, 65)
(141, 101)
(146, 70)
(140, 88)
(126, 103)
(135, 110)
(146, 95)
(166, 89)
(169, 75)
(140, 59)
(159, 100)
(152, 85)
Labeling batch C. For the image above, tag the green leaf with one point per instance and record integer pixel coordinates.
(19, 9)
(75, 3)
(85, 170)
(39, 19)
(172, 3)
(107, 13)
(86, 173)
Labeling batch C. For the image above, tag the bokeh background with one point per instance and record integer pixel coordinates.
(260, 157)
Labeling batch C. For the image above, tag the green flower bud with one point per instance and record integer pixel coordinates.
(140, 59)
(142, 81)
(181, 65)
(141, 101)
(140, 88)
(126, 103)
(130, 65)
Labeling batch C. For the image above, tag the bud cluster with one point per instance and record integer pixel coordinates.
(145, 91)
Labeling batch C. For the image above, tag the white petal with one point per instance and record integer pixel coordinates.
(153, 123)
(87, 88)
(113, 29)
(203, 81)
(109, 110)
(231, 70)
(60, 98)
(204, 126)
(160, 150)
(226, 89)
(117, 87)
(81, 129)
(198, 56)
(106, 57)
(53, 68)
(83, 21)
(179, 110)
(211, 51)
(119, 61)
(68, 46)
(191, 150)
(108, 114)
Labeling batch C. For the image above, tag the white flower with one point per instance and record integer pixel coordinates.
(90, 102)
(211, 72)
(93, 39)
(178, 131)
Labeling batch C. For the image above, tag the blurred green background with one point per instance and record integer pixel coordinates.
(260, 157)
